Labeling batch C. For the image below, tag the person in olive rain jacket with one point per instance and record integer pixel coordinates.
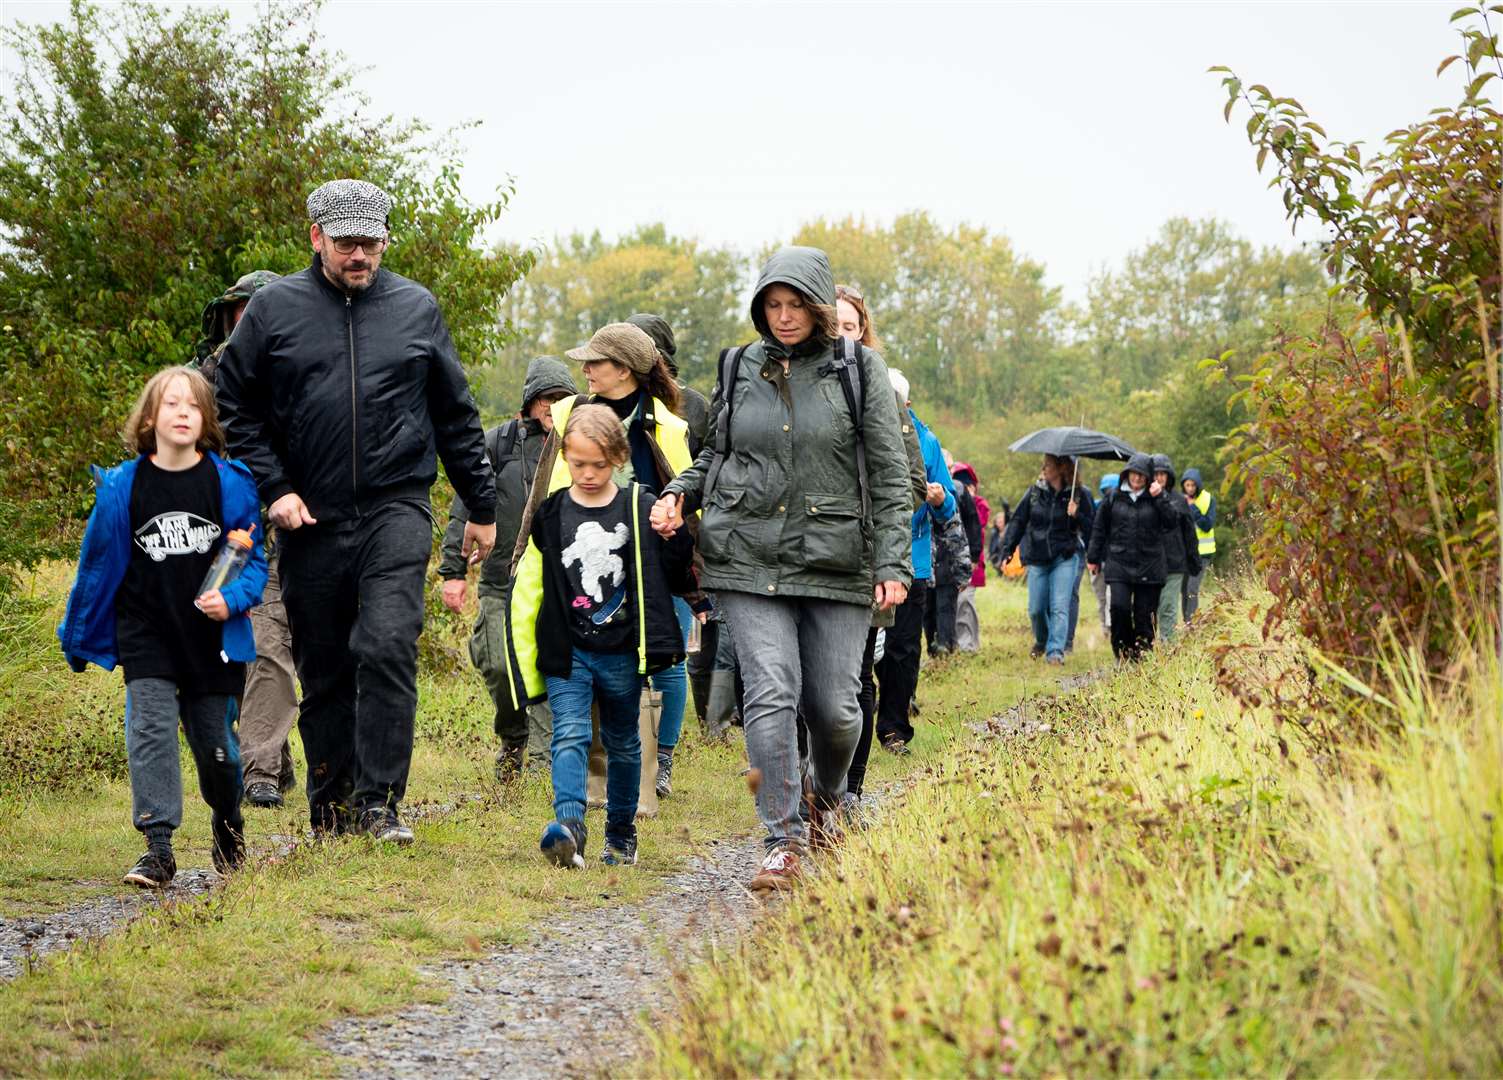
(1128, 540)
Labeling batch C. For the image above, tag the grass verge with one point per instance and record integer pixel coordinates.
(240, 982)
(1154, 885)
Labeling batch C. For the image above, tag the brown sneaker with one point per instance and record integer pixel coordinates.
(779, 871)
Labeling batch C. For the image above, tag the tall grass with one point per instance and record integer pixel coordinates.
(1156, 884)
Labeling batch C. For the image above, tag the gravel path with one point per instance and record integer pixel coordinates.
(28, 938)
(567, 1003)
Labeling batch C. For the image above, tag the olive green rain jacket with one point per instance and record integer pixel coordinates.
(786, 517)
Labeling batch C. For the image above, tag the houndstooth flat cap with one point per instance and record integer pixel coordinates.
(350, 208)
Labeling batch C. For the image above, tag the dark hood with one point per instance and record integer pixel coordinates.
(1162, 463)
(544, 374)
(1138, 463)
(1194, 474)
(806, 269)
(657, 328)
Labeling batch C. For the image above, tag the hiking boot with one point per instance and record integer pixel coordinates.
(381, 823)
(563, 844)
(263, 793)
(895, 744)
(229, 845)
(779, 871)
(152, 870)
(825, 832)
(1035, 652)
(852, 812)
(509, 763)
(620, 850)
(665, 775)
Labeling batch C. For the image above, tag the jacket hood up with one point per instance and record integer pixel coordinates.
(546, 374)
(962, 471)
(1162, 463)
(1138, 463)
(806, 269)
(657, 328)
(1194, 474)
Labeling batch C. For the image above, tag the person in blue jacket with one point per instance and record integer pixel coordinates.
(898, 671)
(159, 520)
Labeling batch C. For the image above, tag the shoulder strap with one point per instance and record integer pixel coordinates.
(726, 375)
(850, 367)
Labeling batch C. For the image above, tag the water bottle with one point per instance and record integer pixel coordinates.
(694, 639)
(229, 562)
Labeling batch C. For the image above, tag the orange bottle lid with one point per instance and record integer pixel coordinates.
(241, 538)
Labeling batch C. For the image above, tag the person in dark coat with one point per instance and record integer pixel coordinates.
(1181, 554)
(1128, 539)
(1051, 521)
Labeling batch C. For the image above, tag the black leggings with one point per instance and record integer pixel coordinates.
(1134, 608)
(868, 699)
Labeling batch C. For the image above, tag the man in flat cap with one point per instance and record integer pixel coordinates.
(340, 389)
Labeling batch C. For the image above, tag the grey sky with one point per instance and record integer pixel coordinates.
(1075, 129)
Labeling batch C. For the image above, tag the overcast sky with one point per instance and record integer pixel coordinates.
(1075, 129)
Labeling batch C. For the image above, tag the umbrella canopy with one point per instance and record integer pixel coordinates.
(1074, 442)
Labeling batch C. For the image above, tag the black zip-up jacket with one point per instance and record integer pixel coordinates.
(1129, 537)
(970, 520)
(1043, 525)
(1181, 547)
(350, 401)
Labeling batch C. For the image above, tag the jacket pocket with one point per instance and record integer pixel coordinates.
(717, 520)
(833, 538)
(403, 447)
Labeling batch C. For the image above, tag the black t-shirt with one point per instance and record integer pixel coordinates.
(175, 533)
(596, 544)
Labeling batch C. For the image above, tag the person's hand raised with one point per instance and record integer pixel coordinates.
(667, 516)
(1155, 488)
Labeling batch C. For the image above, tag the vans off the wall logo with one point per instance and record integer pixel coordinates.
(176, 533)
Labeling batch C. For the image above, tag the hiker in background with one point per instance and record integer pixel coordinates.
(345, 468)
(994, 537)
(898, 670)
(1203, 515)
(513, 450)
(855, 323)
(952, 563)
(1080, 569)
(1127, 543)
(803, 490)
(1098, 580)
(140, 600)
(1051, 518)
(967, 620)
(1181, 556)
(592, 614)
(268, 708)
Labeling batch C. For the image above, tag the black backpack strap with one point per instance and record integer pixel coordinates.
(850, 368)
(726, 375)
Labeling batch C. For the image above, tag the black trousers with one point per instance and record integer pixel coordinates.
(701, 665)
(867, 699)
(354, 597)
(899, 670)
(1134, 614)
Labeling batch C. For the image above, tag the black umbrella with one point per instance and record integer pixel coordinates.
(1074, 442)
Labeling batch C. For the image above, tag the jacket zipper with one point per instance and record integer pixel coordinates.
(349, 323)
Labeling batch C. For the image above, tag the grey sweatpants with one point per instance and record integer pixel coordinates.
(269, 707)
(1169, 607)
(967, 621)
(153, 710)
(793, 652)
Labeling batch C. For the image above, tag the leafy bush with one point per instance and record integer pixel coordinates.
(1371, 454)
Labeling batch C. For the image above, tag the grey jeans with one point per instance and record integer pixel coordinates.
(153, 710)
(1169, 607)
(793, 652)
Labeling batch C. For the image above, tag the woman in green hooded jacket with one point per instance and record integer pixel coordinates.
(803, 493)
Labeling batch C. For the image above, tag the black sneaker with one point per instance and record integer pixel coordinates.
(895, 744)
(264, 794)
(382, 824)
(620, 850)
(665, 775)
(152, 870)
(1035, 652)
(229, 845)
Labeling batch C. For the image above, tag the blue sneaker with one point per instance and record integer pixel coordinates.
(563, 844)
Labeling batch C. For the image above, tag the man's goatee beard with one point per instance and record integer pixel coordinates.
(356, 290)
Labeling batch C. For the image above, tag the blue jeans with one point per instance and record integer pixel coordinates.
(1075, 603)
(1049, 602)
(611, 680)
(673, 684)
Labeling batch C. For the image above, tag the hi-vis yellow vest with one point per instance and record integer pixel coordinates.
(1207, 537)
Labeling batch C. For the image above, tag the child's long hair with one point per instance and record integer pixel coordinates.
(601, 426)
(140, 433)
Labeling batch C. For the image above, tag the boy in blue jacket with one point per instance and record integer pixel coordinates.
(158, 521)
